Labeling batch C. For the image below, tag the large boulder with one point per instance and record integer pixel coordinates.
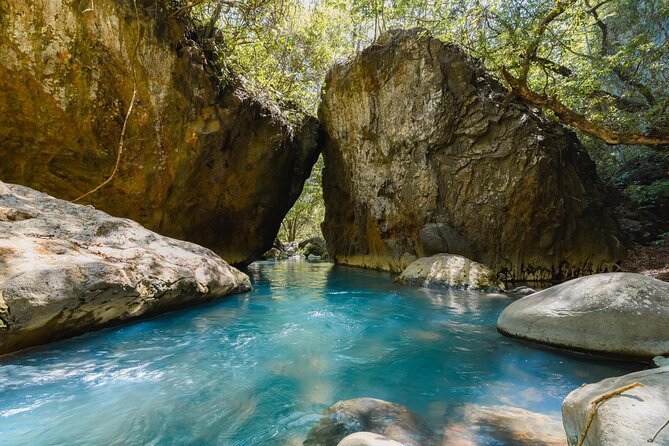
(66, 269)
(202, 159)
(633, 417)
(449, 271)
(622, 314)
(390, 420)
(425, 153)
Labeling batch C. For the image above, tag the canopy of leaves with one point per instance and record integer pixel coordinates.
(604, 61)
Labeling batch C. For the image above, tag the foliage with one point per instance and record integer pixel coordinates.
(604, 61)
(304, 219)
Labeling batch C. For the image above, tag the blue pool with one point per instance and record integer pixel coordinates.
(260, 368)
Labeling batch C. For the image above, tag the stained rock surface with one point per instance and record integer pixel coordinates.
(449, 271)
(425, 154)
(202, 160)
(631, 418)
(66, 269)
(623, 314)
(390, 420)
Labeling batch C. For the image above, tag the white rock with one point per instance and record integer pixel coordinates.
(367, 439)
(449, 270)
(629, 419)
(616, 313)
(66, 269)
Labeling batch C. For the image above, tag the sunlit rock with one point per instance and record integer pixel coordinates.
(621, 314)
(66, 269)
(632, 418)
(202, 160)
(426, 153)
(450, 271)
(367, 439)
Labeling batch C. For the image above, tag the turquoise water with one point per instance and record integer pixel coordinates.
(259, 368)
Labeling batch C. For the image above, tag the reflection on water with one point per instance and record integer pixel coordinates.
(259, 369)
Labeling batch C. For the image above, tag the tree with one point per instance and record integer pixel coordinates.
(304, 219)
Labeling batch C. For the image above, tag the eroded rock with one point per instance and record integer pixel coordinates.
(202, 160)
(447, 270)
(390, 420)
(622, 314)
(367, 439)
(70, 269)
(425, 155)
(632, 418)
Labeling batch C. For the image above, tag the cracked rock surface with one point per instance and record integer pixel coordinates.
(427, 154)
(66, 269)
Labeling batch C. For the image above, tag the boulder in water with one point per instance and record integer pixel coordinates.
(391, 420)
(66, 269)
(632, 418)
(450, 271)
(426, 153)
(621, 314)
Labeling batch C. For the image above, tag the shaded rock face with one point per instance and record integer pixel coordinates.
(622, 314)
(202, 161)
(632, 418)
(66, 269)
(424, 155)
(449, 271)
(390, 420)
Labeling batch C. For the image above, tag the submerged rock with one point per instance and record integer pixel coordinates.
(391, 420)
(202, 159)
(367, 439)
(425, 154)
(516, 426)
(447, 270)
(66, 269)
(621, 314)
(632, 418)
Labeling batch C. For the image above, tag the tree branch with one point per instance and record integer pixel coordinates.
(576, 120)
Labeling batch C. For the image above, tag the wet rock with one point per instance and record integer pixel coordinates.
(425, 154)
(622, 314)
(516, 426)
(391, 420)
(202, 160)
(447, 270)
(69, 269)
(631, 418)
(520, 291)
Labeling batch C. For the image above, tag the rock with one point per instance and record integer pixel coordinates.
(391, 420)
(447, 270)
(326, 256)
(291, 248)
(312, 247)
(274, 254)
(425, 153)
(203, 160)
(660, 361)
(631, 418)
(520, 291)
(516, 426)
(367, 439)
(66, 269)
(622, 314)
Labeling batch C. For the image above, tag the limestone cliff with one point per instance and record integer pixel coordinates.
(202, 160)
(426, 154)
